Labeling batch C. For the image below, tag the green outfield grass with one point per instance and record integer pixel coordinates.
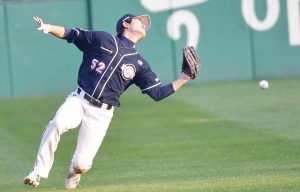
(208, 137)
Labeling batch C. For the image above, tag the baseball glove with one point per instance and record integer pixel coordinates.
(191, 63)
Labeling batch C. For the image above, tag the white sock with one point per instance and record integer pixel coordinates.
(72, 172)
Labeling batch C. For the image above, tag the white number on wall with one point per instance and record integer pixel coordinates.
(189, 20)
(273, 10)
(293, 21)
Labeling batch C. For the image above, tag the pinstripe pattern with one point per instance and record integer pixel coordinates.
(107, 67)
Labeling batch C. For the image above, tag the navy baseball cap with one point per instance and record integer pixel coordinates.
(144, 18)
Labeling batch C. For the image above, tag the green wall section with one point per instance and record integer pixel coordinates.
(42, 64)
(5, 71)
(274, 57)
(34, 64)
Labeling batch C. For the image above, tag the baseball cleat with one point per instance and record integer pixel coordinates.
(72, 181)
(32, 179)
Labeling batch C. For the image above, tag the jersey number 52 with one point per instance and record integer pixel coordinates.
(98, 66)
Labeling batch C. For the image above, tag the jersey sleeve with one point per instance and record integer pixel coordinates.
(81, 38)
(150, 84)
(146, 80)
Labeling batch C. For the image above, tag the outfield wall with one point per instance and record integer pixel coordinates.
(235, 39)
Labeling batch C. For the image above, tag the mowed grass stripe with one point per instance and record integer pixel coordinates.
(160, 147)
(275, 110)
(258, 183)
(199, 120)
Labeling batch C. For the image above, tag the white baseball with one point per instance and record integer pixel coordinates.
(263, 84)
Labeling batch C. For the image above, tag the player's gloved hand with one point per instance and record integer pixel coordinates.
(191, 63)
(43, 27)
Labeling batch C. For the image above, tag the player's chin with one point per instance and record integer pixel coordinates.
(142, 36)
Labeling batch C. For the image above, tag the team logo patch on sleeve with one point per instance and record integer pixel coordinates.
(140, 62)
(128, 71)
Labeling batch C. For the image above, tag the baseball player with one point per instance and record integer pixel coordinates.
(109, 66)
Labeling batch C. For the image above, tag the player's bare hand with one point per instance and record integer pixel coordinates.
(43, 27)
(185, 76)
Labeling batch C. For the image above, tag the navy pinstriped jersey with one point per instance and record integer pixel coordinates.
(111, 64)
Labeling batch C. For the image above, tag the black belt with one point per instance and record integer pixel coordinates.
(93, 101)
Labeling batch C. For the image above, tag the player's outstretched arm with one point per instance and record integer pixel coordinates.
(181, 81)
(57, 31)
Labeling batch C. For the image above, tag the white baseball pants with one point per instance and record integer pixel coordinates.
(94, 123)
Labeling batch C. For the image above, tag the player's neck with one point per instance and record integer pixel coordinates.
(132, 37)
